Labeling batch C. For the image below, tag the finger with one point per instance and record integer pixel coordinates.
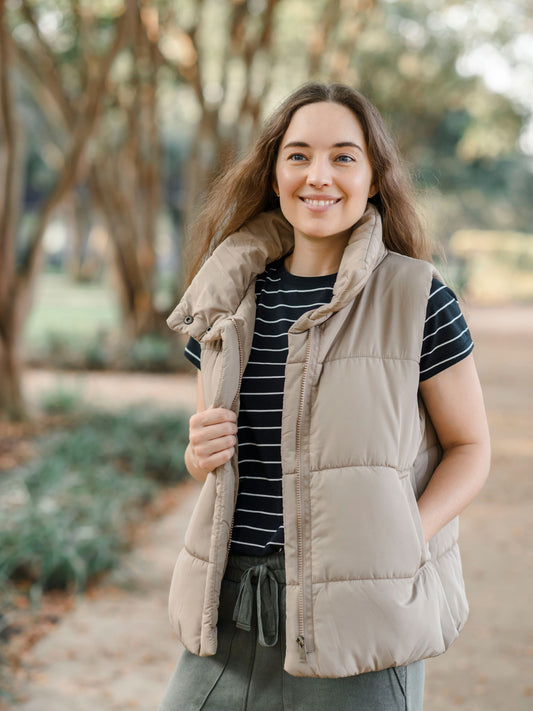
(215, 415)
(216, 460)
(208, 432)
(207, 448)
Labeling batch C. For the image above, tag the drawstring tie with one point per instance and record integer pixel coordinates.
(267, 604)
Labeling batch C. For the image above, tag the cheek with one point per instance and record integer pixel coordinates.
(360, 186)
(287, 181)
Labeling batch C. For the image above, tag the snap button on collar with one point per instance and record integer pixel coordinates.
(188, 320)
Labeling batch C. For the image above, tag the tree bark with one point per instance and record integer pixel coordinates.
(11, 166)
(12, 406)
(126, 187)
(135, 278)
(17, 278)
(89, 112)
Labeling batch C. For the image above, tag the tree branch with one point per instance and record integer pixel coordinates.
(252, 51)
(353, 20)
(88, 114)
(320, 39)
(48, 83)
(191, 74)
(46, 68)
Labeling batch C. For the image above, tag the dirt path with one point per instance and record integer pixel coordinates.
(114, 651)
(113, 390)
(490, 667)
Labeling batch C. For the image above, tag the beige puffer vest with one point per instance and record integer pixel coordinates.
(364, 592)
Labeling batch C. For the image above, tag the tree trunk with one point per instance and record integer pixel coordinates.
(134, 276)
(17, 277)
(11, 400)
(126, 188)
(76, 219)
(11, 168)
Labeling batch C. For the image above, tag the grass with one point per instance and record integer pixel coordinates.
(77, 326)
(70, 310)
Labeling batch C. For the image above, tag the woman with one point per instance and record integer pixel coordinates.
(340, 428)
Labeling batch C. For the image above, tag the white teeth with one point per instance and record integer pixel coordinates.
(319, 203)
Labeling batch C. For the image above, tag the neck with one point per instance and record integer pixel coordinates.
(317, 257)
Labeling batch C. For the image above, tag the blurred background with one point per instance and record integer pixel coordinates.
(115, 116)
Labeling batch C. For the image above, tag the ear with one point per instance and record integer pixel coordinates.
(372, 191)
(275, 186)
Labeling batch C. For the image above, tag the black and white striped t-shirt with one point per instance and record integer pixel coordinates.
(281, 299)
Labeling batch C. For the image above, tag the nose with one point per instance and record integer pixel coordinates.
(319, 174)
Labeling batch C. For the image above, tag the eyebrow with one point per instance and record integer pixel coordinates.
(340, 144)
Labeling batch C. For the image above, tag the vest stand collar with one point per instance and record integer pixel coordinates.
(218, 289)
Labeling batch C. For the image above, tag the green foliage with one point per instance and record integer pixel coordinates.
(67, 314)
(151, 353)
(96, 355)
(61, 402)
(138, 441)
(63, 350)
(65, 516)
(75, 326)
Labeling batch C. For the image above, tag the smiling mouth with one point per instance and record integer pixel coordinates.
(320, 203)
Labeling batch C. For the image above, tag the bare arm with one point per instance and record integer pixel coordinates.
(454, 403)
(212, 437)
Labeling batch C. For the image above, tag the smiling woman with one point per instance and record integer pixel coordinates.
(340, 428)
(323, 179)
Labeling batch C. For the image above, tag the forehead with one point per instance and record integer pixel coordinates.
(324, 123)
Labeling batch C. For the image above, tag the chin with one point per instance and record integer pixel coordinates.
(326, 233)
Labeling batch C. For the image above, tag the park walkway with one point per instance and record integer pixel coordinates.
(115, 651)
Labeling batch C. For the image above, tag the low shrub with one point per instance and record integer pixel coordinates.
(104, 351)
(96, 353)
(65, 516)
(61, 401)
(72, 527)
(150, 353)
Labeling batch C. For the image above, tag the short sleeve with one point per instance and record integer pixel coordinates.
(192, 352)
(447, 339)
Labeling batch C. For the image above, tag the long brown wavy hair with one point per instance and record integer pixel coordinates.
(246, 189)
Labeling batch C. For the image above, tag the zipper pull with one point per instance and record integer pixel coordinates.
(301, 644)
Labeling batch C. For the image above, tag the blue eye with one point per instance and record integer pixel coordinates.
(297, 157)
(345, 158)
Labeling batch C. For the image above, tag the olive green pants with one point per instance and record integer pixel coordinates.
(246, 673)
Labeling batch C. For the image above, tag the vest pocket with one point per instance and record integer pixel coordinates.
(364, 525)
(425, 554)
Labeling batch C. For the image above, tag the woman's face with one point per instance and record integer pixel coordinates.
(323, 174)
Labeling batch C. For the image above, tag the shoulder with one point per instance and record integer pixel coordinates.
(440, 294)
(408, 272)
(404, 283)
(447, 339)
(408, 265)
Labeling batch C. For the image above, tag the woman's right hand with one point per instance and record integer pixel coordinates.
(212, 441)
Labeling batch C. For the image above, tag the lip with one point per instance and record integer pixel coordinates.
(319, 202)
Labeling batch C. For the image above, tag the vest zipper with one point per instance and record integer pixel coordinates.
(233, 406)
(300, 640)
(241, 362)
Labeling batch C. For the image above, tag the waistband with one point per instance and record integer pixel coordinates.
(238, 564)
(259, 579)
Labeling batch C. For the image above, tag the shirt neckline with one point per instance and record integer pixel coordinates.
(327, 280)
